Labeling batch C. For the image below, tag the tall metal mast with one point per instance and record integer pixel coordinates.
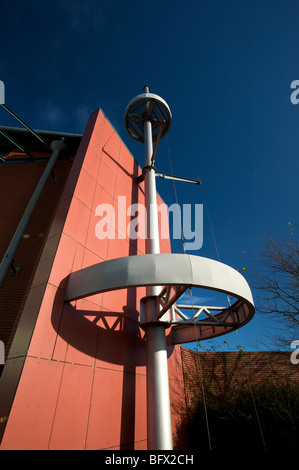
(147, 119)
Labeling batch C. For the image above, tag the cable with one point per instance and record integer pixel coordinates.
(253, 400)
(176, 197)
(210, 222)
(236, 331)
(201, 381)
(228, 299)
(195, 329)
(196, 339)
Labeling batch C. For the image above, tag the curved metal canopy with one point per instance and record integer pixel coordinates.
(175, 272)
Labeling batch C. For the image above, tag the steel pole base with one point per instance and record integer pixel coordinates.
(158, 402)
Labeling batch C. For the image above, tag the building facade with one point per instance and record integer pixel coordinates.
(75, 375)
(75, 372)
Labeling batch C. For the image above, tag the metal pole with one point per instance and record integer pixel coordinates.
(8, 259)
(158, 403)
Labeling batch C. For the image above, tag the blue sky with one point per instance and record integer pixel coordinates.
(224, 68)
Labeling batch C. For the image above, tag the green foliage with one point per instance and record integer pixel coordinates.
(265, 416)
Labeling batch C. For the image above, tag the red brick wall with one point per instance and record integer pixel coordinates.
(17, 184)
(223, 371)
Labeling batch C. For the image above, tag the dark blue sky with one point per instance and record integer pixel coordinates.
(225, 69)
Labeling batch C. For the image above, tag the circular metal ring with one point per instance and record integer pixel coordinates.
(147, 107)
(171, 270)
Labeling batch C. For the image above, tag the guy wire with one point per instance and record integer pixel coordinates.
(198, 355)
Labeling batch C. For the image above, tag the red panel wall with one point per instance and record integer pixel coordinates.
(83, 384)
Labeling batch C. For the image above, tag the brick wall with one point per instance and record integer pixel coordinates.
(18, 182)
(224, 371)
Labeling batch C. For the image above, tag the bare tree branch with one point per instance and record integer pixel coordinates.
(276, 277)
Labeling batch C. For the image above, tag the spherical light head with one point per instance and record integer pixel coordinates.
(147, 107)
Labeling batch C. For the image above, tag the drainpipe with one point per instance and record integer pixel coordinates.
(57, 146)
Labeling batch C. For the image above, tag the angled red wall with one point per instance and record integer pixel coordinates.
(82, 383)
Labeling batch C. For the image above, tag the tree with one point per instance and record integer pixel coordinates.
(235, 423)
(276, 277)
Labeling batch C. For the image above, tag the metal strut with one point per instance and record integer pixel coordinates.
(48, 147)
(178, 178)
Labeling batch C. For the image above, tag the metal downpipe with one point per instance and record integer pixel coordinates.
(57, 147)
